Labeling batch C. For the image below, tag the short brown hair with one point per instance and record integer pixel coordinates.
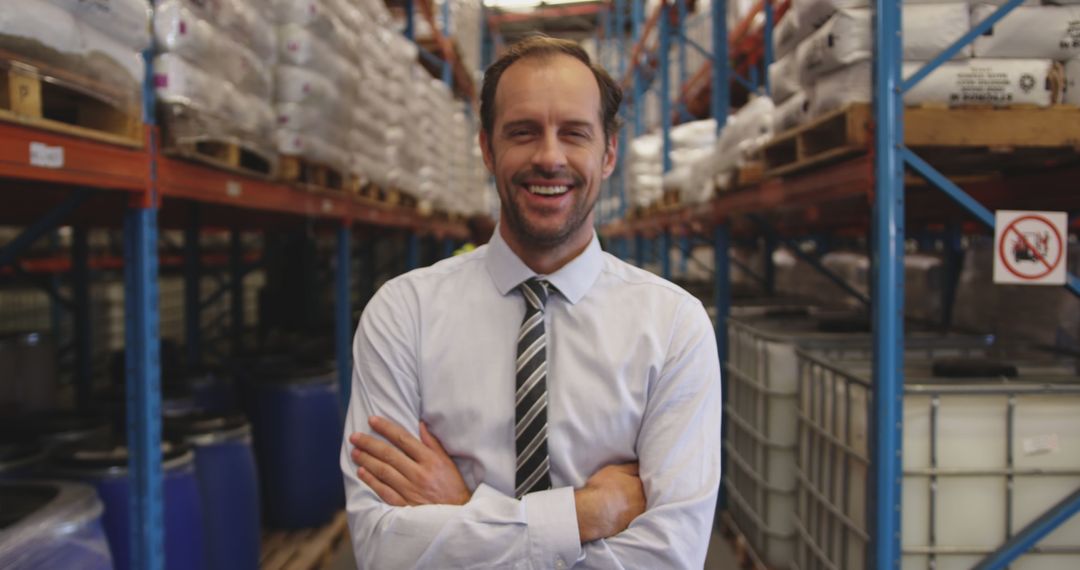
(541, 46)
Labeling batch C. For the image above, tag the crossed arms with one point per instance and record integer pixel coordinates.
(409, 506)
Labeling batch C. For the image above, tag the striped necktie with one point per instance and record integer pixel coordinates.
(530, 430)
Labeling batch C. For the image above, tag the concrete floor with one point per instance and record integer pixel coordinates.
(719, 556)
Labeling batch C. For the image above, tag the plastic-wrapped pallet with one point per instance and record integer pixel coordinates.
(1015, 36)
(46, 35)
(847, 37)
(814, 13)
(214, 75)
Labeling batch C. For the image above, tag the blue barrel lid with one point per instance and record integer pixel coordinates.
(204, 428)
(325, 374)
(112, 457)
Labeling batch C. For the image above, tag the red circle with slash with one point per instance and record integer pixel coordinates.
(1043, 262)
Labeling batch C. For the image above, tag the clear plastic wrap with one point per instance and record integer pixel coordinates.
(1030, 32)
(64, 533)
(179, 29)
(47, 36)
(312, 147)
(127, 22)
(302, 47)
(241, 21)
(202, 107)
(694, 134)
(298, 85)
(789, 32)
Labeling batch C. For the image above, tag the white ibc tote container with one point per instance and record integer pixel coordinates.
(761, 435)
(989, 444)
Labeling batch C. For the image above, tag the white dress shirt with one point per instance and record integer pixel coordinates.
(633, 375)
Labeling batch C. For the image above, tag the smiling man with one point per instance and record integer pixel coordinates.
(536, 403)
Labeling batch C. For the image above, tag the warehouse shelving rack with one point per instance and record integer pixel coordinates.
(835, 197)
(137, 187)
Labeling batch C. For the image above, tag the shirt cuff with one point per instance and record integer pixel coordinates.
(553, 527)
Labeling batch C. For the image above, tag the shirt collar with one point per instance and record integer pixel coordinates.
(572, 280)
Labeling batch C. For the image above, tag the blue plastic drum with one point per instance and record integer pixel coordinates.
(211, 391)
(46, 524)
(106, 468)
(298, 427)
(228, 485)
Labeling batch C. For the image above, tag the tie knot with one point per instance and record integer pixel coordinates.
(535, 292)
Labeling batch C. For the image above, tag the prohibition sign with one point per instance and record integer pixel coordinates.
(1045, 267)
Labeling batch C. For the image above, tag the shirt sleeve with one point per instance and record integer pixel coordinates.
(678, 448)
(492, 529)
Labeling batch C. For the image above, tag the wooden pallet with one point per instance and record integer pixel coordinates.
(53, 100)
(826, 139)
(309, 174)
(745, 556)
(387, 196)
(958, 140)
(308, 549)
(671, 200)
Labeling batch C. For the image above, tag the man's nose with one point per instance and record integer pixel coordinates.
(549, 155)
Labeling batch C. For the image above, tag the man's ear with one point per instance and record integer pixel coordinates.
(611, 155)
(485, 150)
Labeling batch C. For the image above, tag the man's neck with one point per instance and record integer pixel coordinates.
(545, 260)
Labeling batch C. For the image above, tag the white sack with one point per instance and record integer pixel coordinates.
(788, 33)
(177, 81)
(646, 148)
(311, 147)
(298, 85)
(694, 134)
(999, 82)
(1037, 32)
(834, 90)
(814, 13)
(847, 37)
(784, 78)
(1072, 82)
(180, 30)
(97, 45)
(125, 21)
(791, 113)
(753, 120)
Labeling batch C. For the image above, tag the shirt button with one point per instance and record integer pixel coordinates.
(559, 563)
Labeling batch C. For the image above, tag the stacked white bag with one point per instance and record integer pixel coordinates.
(743, 135)
(467, 191)
(1036, 33)
(214, 70)
(100, 41)
(691, 152)
(824, 50)
(646, 170)
(318, 80)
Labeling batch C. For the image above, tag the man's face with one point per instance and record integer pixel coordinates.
(547, 150)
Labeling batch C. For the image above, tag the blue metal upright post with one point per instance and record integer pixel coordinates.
(888, 290)
(142, 359)
(637, 21)
(721, 96)
(665, 254)
(236, 289)
(767, 40)
(447, 67)
(620, 36)
(412, 251)
(410, 19)
(665, 84)
(343, 322)
(681, 39)
(192, 289)
(447, 248)
(80, 288)
(639, 250)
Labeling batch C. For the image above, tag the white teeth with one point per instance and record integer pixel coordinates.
(549, 190)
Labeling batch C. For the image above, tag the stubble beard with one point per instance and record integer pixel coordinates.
(532, 236)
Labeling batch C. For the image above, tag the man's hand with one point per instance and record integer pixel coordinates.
(407, 471)
(610, 500)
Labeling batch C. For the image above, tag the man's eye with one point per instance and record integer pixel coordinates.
(578, 134)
